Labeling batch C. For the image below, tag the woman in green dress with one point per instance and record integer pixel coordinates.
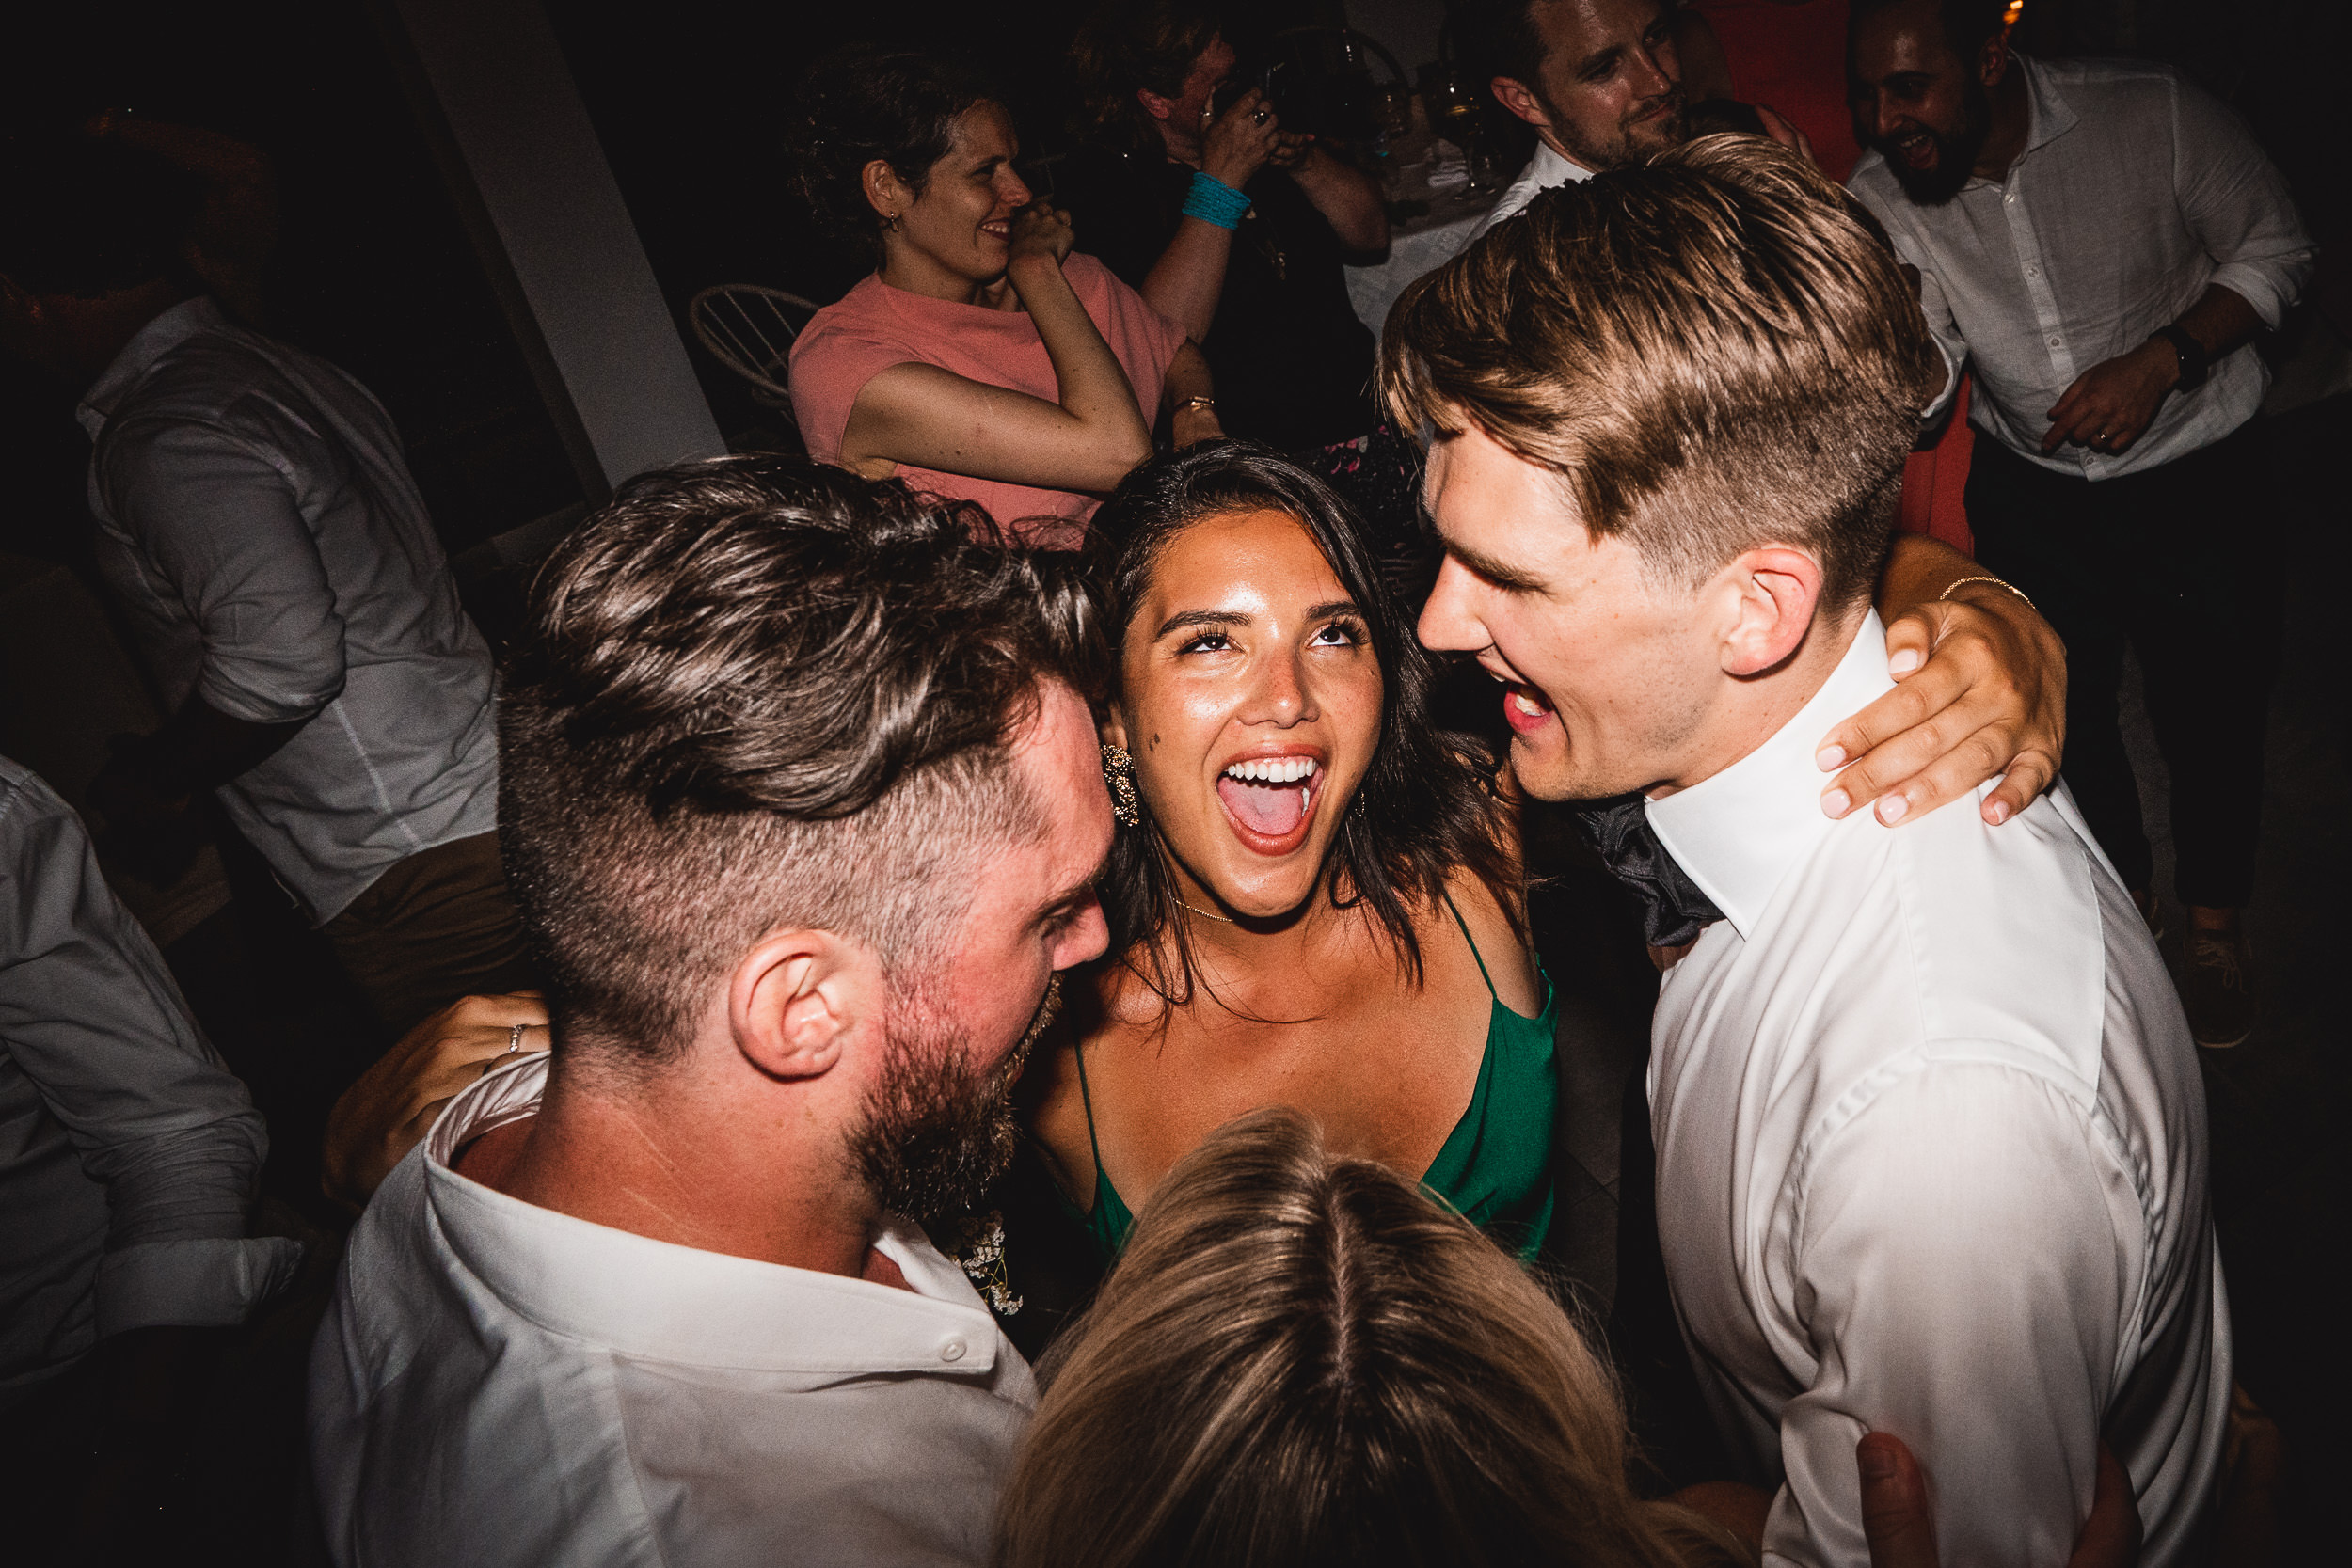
(1314, 894)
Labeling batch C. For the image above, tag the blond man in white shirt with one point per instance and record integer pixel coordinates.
(1930, 1132)
(804, 809)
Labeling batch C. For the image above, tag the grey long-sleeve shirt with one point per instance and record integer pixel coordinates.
(128, 1153)
(271, 555)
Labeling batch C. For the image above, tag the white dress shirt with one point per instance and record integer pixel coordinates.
(269, 548)
(1932, 1160)
(1545, 171)
(2136, 192)
(499, 1383)
(128, 1153)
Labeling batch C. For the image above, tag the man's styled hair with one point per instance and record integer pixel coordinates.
(1303, 1361)
(1499, 38)
(1710, 348)
(761, 691)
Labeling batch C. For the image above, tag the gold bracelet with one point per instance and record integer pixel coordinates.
(1994, 581)
(1209, 403)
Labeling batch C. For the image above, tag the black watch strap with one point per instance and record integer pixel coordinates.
(2195, 362)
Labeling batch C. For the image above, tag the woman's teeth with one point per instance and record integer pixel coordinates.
(1527, 704)
(1273, 769)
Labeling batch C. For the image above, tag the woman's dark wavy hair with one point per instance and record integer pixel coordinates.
(1427, 806)
(868, 101)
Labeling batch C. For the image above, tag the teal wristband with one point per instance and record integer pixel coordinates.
(1212, 201)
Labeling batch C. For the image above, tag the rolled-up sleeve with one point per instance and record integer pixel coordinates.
(219, 519)
(92, 1018)
(2237, 204)
(1960, 1283)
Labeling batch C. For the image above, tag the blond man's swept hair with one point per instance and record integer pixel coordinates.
(1715, 350)
(1302, 1361)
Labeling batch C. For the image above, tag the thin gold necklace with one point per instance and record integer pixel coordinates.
(1205, 915)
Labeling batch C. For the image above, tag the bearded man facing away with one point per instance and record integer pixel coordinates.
(802, 805)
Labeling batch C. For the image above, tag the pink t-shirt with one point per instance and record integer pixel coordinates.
(875, 326)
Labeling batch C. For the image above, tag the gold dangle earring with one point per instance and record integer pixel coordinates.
(1119, 772)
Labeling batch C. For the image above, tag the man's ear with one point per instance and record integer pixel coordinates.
(1776, 589)
(797, 998)
(1992, 64)
(1520, 99)
(1154, 104)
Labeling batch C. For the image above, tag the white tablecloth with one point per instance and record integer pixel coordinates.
(1420, 246)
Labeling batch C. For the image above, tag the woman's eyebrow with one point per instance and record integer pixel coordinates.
(1185, 620)
(1333, 607)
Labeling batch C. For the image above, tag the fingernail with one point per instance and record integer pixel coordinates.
(1999, 811)
(1891, 809)
(1904, 662)
(1877, 1464)
(1837, 803)
(1830, 759)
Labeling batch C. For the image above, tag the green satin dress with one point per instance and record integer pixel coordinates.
(1494, 1168)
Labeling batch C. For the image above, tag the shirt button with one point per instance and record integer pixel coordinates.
(952, 1348)
(2010, 197)
(2033, 272)
(2054, 342)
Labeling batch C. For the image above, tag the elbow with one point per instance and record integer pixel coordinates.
(1123, 457)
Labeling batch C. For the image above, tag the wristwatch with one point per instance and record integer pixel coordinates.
(2195, 362)
(1190, 404)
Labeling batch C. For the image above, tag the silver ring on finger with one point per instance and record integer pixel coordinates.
(515, 1040)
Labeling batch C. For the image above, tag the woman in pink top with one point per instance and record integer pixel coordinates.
(981, 360)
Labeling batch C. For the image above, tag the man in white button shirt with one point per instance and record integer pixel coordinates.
(2102, 241)
(804, 807)
(1600, 81)
(1931, 1133)
(281, 581)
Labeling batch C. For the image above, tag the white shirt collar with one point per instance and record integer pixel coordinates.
(637, 1296)
(1549, 169)
(1738, 831)
(159, 337)
(2047, 116)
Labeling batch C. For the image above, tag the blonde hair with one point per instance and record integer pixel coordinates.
(1303, 1360)
(1714, 349)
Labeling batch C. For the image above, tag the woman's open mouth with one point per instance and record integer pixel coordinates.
(1270, 800)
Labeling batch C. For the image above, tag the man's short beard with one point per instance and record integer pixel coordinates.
(936, 1134)
(1673, 131)
(1955, 155)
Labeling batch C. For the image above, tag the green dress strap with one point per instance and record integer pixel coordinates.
(1109, 1221)
(1495, 1167)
